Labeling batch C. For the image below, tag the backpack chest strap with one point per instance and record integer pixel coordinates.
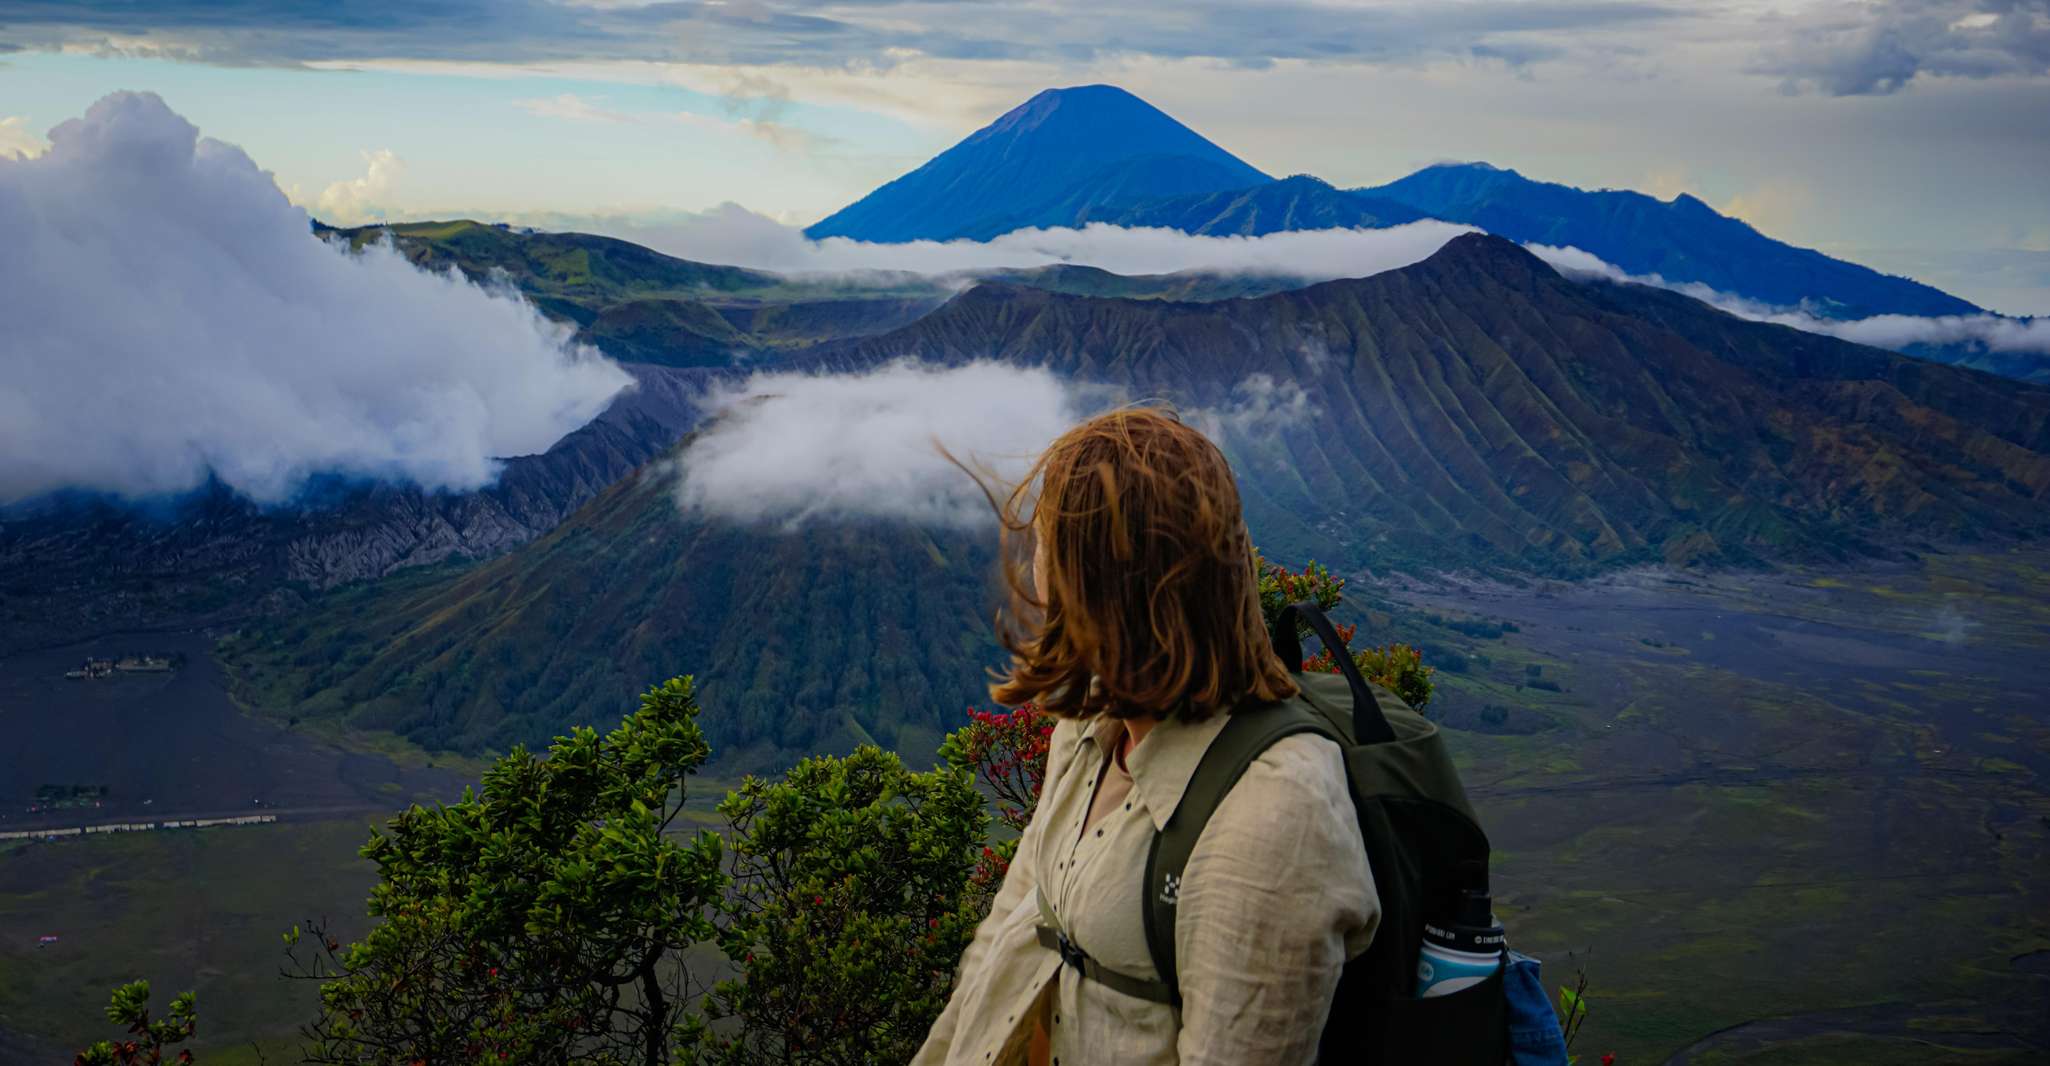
(1080, 961)
(1051, 935)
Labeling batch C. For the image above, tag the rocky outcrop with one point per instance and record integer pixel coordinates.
(74, 565)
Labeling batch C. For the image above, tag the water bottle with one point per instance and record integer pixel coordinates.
(1463, 947)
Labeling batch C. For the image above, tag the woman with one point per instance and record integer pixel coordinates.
(1139, 631)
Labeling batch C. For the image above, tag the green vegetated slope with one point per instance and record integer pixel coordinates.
(1478, 409)
(639, 305)
(804, 640)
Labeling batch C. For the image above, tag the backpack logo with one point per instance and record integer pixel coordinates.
(1171, 890)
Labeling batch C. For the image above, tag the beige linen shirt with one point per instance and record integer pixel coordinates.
(1275, 898)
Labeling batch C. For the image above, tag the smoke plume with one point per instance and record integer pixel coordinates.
(168, 315)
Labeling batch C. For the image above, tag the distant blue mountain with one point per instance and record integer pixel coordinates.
(1096, 153)
(1051, 161)
(1294, 203)
(1680, 240)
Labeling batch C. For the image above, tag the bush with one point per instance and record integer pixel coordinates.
(544, 920)
(149, 1040)
(851, 903)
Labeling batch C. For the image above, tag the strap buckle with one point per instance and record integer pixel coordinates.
(1071, 952)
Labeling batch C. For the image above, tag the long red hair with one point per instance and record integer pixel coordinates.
(1150, 604)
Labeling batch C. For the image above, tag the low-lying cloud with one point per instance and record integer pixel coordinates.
(790, 448)
(1993, 332)
(167, 315)
(1259, 408)
(733, 235)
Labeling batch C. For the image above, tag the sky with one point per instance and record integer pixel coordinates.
(1911, 135)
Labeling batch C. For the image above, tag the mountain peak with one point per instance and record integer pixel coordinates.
(1489, 253)
(1098, 95)
(1691, 204)
(1044, 163)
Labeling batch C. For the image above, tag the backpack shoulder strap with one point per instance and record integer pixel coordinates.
(1245, 736)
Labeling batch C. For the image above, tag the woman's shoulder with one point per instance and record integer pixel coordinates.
(1298, 776)
(1291, 811)
(1314, 759)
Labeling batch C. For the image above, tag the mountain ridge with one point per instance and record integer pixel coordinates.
(1682, 240)
(1297, 202)
(1475, 411)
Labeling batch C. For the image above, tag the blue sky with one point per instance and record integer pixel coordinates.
(1913, 135)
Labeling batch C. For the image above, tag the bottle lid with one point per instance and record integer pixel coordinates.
(1478, 939)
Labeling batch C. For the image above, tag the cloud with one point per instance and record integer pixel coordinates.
(1258, 408)
(1993, 332)
(167, 315)
(16, 139)
(361, 200)
(789, 448)
(835, 34)
(1856, 49)
(574, 108)
(731, 234)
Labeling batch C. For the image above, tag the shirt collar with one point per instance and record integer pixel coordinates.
(1162, 765)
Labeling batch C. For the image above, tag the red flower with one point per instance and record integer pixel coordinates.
(1609, 1059)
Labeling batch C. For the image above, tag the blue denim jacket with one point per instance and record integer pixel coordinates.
(1534, 1036)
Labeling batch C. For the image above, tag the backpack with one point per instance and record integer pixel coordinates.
(1423, 844)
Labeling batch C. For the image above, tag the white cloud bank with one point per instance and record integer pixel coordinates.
(793, 447)
(732, 234)
(1881, 331)
(165, 313)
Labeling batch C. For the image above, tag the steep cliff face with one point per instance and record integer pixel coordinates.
(80, 566)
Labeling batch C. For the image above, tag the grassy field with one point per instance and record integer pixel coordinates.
(196, 909)
(1778, 818)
